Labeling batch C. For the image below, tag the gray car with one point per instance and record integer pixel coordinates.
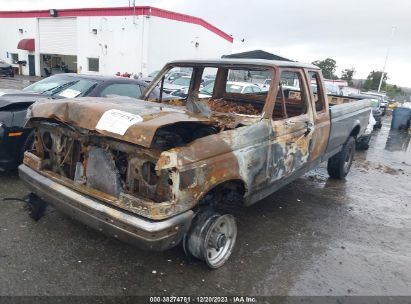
(6, 69)
(178, 84)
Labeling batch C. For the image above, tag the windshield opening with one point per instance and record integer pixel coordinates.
(240, 93)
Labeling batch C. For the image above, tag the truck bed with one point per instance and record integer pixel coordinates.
(348, 116)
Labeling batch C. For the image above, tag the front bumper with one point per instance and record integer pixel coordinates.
(128, 227)
(10, 149)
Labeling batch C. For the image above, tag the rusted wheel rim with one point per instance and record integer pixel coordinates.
(220, 240)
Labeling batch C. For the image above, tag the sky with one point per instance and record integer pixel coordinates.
(356, 33)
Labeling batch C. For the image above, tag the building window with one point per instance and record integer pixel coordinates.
(93, 64)
(14, 57)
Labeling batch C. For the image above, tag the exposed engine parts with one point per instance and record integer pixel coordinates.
(102, 173)
(119, 170)
(181, 134)
(107, 166)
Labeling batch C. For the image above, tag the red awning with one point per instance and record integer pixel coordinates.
(26, 44)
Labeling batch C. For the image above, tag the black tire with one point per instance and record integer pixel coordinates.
(363, 143)
(339, 165)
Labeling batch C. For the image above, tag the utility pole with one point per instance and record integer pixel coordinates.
(386, 57)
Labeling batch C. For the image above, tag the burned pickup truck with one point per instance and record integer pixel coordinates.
(156, 173)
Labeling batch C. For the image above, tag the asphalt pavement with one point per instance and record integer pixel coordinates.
(316, 236)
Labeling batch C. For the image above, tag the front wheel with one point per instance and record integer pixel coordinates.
(339, 165)
(212, 237)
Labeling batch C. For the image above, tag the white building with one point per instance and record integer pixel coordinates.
(105, 40)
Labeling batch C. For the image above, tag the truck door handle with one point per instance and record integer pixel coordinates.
(309, 126)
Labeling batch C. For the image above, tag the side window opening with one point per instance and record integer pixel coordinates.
(291, 99)
(317, 93)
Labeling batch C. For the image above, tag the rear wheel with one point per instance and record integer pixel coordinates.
(339, 165)
(212, 237)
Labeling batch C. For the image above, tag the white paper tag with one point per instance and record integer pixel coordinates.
(69, 93)
(116, 121)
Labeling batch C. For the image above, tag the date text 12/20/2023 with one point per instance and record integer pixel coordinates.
(203, 299)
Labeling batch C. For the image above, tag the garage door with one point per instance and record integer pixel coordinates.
(58, 36)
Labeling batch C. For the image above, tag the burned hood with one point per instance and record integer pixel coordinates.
(132, 120)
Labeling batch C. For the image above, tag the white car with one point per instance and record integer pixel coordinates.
(265, 86)
(169, 77)
(382, 97)
(231, 87)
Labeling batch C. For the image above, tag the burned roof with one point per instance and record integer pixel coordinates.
(245, 61)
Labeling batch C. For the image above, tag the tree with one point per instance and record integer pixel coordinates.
(347, 75)
(393, 90)
(328, 67)
(373, 80)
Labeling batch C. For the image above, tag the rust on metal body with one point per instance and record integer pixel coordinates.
(168, 162)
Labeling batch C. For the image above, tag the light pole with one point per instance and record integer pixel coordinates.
(386, 58)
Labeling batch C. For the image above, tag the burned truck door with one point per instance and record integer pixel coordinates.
(321, 115)
(292, 122)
